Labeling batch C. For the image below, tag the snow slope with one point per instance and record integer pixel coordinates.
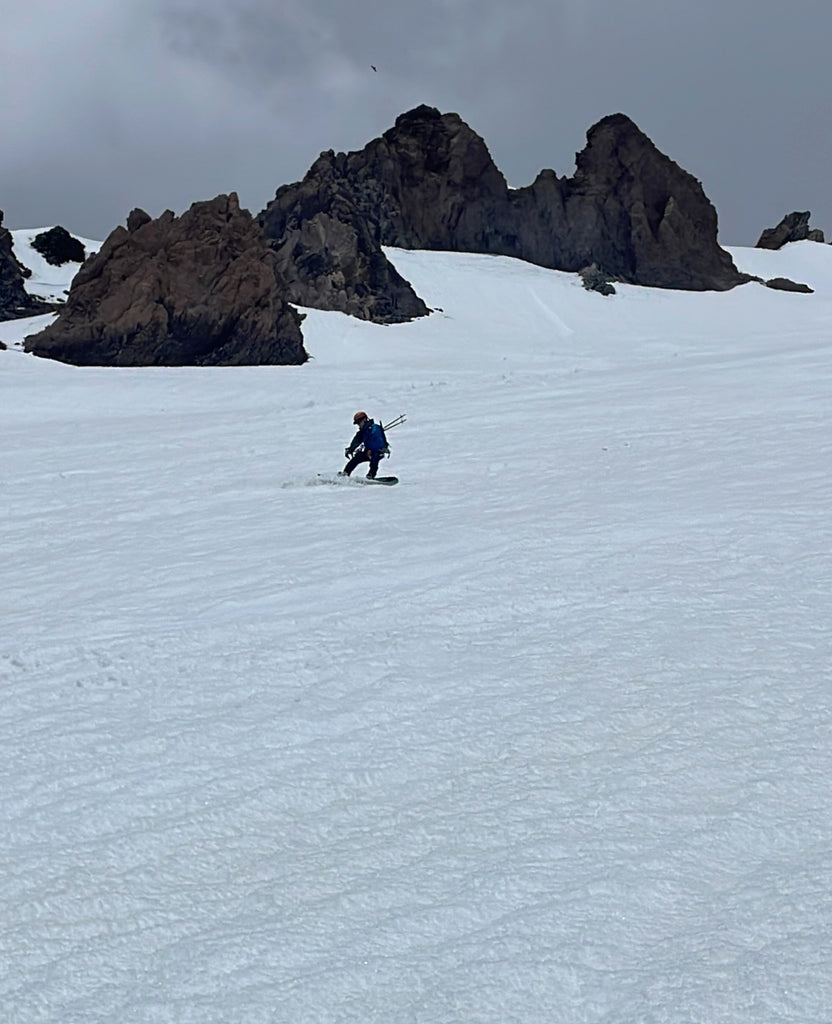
(47, 282)
(541, 734)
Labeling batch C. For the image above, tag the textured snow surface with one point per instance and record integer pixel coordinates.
(541, 734)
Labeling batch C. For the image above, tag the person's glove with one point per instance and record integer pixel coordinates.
(347, 452)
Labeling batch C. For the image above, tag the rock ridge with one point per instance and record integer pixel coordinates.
(429, 182)
(15, 301)
(201, 289)
(794, 227)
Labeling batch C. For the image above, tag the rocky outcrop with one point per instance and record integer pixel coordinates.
(201, 289)
(15, 301)
(595, 280)
(328, 250)
(430, 183)
(785, 284)
(58, 246)
(631, 210)
(794, 227)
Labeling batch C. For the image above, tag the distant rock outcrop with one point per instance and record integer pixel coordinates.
(58, 246)
(430, 183)
(201, 289)
(15, 301)
(794, 227)
(630, 209)
(784, 284)
(595, 280)
(328, 251)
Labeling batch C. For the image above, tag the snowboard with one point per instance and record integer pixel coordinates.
(326, 478)
(388, 480)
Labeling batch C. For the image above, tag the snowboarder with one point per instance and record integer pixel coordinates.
(368, 445)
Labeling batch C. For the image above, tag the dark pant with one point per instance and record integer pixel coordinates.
(364, 456)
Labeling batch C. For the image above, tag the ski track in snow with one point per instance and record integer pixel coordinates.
(542, 733)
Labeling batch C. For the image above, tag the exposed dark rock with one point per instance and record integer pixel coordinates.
(328, 251)
(783, 284)
(3, 346)
(430, 183)
(58, 246)
(595, 280)
(137, 218)
(201, 289)
(631, 210)
(794, 227)
(15, 301)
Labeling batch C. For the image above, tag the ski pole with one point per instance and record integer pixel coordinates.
(397, 422)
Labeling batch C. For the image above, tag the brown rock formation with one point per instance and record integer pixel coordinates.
(201, 289)
(631, 210)
(430, 183)
(15, 301)
(328, 251)
(794, 227)
(785, 284)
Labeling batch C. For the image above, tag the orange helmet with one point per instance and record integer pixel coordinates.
(359, 416)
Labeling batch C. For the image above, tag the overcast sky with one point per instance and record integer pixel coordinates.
(111, 104)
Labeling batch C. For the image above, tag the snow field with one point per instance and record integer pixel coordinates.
(542, 733)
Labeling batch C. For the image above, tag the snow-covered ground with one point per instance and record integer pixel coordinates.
(47, 281)
(542, 734)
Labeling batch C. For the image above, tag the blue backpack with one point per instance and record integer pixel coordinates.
(376, 439)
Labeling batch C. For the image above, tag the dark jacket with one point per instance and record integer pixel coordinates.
(371, 435)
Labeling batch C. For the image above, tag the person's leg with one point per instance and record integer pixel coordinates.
(356, 460)
(375, 458)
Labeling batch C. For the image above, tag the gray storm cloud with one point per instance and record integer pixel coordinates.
(160, 104)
